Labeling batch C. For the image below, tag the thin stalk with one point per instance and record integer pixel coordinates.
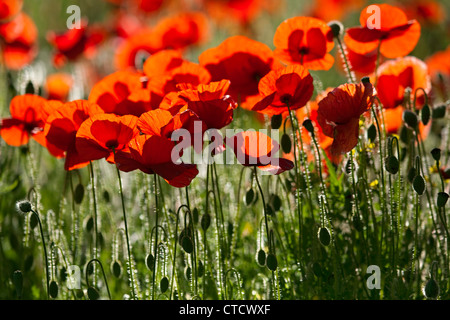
(45, 251)
(155, 248)
(95, 218)
(130, 265)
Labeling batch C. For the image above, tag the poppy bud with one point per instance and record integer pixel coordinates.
(149, 261)
(410, 118)
(78, 194)
(439, 112)
(195, 215)
(261, 257)
(53, 289)
(308, 126)
(188, 273)
(249, 196)
(24, 206)
(419, 184)
(324, 236)
(336, 28)
(425, 114)
(431, 289)
(33, 221)
(286, 143)
(200, 269)
(392, 165)
(276, 120)
(372, 133)
(164, 284)
(272, 262)
(436, 153)
(187, 244)
(442, 198)
(89, 224)
(116, 269)
(93, 293)
(205, 222)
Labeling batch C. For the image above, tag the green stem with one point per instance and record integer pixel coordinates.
(130, 265)
(45, 252)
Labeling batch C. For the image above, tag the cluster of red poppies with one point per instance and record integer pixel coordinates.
(131, 114)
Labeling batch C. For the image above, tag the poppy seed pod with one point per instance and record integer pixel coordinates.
(336, 28)
(436, 154)
(24, 206)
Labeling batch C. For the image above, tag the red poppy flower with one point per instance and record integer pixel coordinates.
(62, 125)
(73, 43)
(328, 10)
(242, 61)
(153, 154)
(339, 114)
(439, 63)
(253, 148)
(187, 72)
(123, 92)
(104, 136)
(181, 30)
(25, 122)
(209, 103)
(9, 9)
(395, 76)
(28, 115)
(361, 64)
(290, 86)
(397, 34)
(20, 41)
(426, 11)
(58, 86)
(162, 62)
(134, 50)
(306, 41)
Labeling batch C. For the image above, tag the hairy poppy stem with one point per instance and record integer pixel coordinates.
(155, 248)
(94, 200)
(103, 272)
(348, 68)
(45, 251)
(130, 266)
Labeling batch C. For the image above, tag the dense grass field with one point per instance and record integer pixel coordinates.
(350, 106)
